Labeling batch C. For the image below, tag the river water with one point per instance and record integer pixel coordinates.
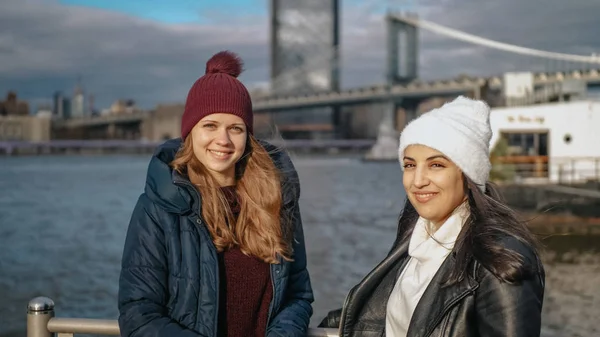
(63, 222)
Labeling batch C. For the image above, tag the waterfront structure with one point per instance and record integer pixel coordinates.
(25, 128)
(549, 143)
(308, 112)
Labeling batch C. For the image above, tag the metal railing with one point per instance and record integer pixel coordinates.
(42, 323)
(560, 170)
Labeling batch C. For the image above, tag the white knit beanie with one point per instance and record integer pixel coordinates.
(461, 131)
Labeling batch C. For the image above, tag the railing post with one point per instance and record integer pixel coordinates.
(573, 173)
(560, 173)
(39, 312)
(596, 173)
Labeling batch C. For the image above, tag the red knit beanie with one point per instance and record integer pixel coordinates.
(218, 91)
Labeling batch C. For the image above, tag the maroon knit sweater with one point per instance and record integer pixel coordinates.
(245, 289)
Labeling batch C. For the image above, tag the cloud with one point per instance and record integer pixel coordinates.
(45, 46)
(553, 25)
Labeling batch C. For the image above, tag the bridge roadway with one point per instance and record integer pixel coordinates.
(381, 93)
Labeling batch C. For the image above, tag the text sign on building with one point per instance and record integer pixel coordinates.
(526, 119)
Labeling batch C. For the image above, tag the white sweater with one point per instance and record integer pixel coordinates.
(426, 257)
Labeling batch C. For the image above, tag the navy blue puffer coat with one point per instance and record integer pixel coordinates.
(169, 283)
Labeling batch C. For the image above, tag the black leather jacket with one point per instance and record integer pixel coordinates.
(480, 305)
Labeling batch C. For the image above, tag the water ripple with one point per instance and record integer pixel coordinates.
(63, 222)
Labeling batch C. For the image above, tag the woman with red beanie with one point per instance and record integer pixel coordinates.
(215, 245)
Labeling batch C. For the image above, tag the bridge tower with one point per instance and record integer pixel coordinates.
(305, 59)
(402, 50)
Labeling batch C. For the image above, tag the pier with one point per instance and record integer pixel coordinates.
(141, 146)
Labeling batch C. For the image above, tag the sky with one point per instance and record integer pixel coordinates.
(152, 51)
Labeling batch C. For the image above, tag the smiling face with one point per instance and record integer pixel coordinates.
(433, 183)
(219, 141)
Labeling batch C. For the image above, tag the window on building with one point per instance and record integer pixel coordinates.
(527, 153)
(543, 144)
(527, 143)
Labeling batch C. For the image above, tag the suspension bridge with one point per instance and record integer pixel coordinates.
(311, 83)
(407, 85)
(546, 85)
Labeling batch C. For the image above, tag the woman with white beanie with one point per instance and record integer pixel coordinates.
(462, 263)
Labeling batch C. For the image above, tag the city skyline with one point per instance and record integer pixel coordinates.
(154, 53)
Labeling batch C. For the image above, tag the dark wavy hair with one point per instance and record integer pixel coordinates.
(480, 239)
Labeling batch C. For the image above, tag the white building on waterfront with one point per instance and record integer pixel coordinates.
(558, 142)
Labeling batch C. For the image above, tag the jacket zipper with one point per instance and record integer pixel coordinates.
(216, 320)
(272, 301)
(199, 221)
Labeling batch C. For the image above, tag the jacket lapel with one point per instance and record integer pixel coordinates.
(384, 266)
(359, 295)
(436, 301)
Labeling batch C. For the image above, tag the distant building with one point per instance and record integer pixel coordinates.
(164, 122)
(25, 128)
(44, 110)
(78, 102)
(58, 105)
(66, 107)
(123, 106)
(91, 108)
(304, 59)
(13, 107)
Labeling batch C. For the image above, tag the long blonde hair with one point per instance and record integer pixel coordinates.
(258, 230)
